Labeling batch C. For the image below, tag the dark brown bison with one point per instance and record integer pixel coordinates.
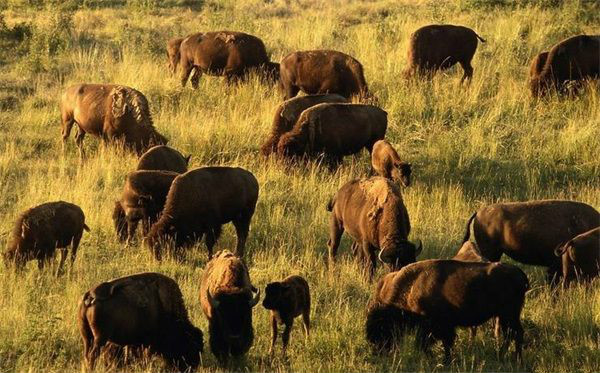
(528, 232)
(227, 299)
(40, 230)
(574, 59)
(223, 53)
(581, 257)
(373, 213)
(436, 296)
(143, 198)
(287, 300)
(112, 112)
(334, 130)
(287, 114)
(387, 163)
(439, 47)
(141, 310)
(163, 158)
(322, 71)
(200, 202)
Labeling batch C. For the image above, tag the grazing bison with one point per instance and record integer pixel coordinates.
(436, 296)
(163, 158)
(334, 130)
(373, 213)
(537, 65)
(143, 198)
(200, 202)
(227, 299)
(387, 163)
(439, 47)
(574, 59)
(227, 53)
(581, 257)
(322, 71)
(528, 232)
(112, 112)
(287, 299)
(40, 230)
(287, 114)
(144, 309)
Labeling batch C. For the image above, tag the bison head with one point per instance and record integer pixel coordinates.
(402, 253)
(275, 295)
(183, 344)
(290, 146)
(120, 221)
(173, 54)
(232, 313)
(401, 173)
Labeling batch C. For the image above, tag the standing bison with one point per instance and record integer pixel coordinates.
(163, 158)
(387, 163)
(581, 257)
(200, 202)
(227, 299)
(112, 112)
(574, 59)
(322, 71)
(142, 310)
(439, 47)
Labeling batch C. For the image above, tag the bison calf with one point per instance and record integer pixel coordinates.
(581, 257)
(163, 158)
(387, 163)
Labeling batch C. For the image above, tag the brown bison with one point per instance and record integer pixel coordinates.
(373, 213)
(163, 158)
(581, 257)
(287, 114)
(322, 71)
(143, 198)
(537, 65)
(173, 53)
(528, 232)
(142, 310)
(227, 299)
(334, 130)
(200, 202)
(112, 112)
(40, 230)
(387, 163)
(574, 59)
(439, 47)
(287, 299)
(436, 296)
(222, 53)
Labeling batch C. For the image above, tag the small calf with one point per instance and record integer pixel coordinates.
(581, 257)
(387, 163)
(287, 299)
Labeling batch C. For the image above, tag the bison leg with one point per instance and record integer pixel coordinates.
(186, 69)
(67, 125)
(286, 334)
(512, 330)
(79, 141)
(94, 353)
(242, 227)
(448, 337)
(368, 252)
(61, 263)
(290, 91)
(468, 71)
(336, 229)
(273, 333)
(195, 79)
(212, 235)
(306, 321)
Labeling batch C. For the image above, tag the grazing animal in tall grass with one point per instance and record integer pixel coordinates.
(580, 257)
(387, 163)
(537, 65)
(173, 55)
(163, 158)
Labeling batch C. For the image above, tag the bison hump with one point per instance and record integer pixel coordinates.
(377, 191)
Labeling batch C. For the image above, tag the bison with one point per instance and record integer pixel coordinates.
(439, 47)
(580, 257)
(143, 198)
(537, 65)
(112, 112)
(387, 163)
(222, 53)
(334, 130)
(286, 300)
(163, 158)
(287, 114)
(436, 296)
(200, 202)
(227, 299)
(373, 213)
(528, 232)
(40, 230)
(141, 310)
(574, 59)
(173, 53)
(322, 71)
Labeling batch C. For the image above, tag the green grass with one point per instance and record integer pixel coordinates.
(469, 146)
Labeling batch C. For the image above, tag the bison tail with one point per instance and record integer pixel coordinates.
(383, 324)
(480, 38)
(468, 230)
(86, 228)
(330, 204)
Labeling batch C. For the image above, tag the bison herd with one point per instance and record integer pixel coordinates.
(178, 207)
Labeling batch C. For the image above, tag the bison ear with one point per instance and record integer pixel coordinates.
(187, 159)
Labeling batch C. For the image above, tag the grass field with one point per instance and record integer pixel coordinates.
(469, 146)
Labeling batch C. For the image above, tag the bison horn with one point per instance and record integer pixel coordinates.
(213, 302)
(379, 256)
(419, 249)
(560, 249)
(255, 298)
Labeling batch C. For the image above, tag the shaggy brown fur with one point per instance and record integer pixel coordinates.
(40, 230)
(226, 298)
(144, 309)
(387, 163)
(536, 66)
(469, 252)
(287, 299)
(287, 114)
(334, 130)
(200, 202)
(581, 257)
(163, 158)
(439, 47)
(112, 112)
(573, 59)
(436, 296)
(322, 71)
(528, 232)
(173, 53)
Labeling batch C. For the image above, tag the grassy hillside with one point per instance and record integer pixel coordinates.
(469, 146)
